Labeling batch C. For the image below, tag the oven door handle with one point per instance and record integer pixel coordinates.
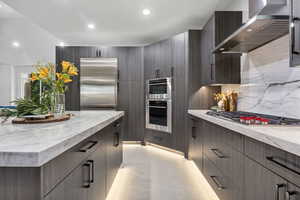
(163, 107)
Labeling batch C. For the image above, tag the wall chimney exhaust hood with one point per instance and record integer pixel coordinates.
(258, 31)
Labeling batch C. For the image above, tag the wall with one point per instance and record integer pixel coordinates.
(5, 84)
(36, 45)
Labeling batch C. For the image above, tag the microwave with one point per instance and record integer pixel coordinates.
(159, 88)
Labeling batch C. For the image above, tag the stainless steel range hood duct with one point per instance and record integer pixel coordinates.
(270, 22)
(257, 32)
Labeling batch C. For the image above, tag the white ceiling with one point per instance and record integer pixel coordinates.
(118, 22)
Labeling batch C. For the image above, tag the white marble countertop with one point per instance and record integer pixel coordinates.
(283, 137)
(35, 145)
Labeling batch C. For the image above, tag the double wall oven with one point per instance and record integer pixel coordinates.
(159, 104)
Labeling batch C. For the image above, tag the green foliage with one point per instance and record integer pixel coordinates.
(29, 107)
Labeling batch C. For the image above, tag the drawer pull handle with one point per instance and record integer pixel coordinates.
(88, 146)
(218, 153)
(277, 162)
(278, 187)
(117, 125)
(87, 184)
(288, 195)
(217, 183)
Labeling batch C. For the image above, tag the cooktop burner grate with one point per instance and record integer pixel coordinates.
(254, 118)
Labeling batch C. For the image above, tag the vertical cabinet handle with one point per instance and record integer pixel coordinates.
(194, 135)
(117, 139)
(87, 183)
(277, 190)
(293, 32)
(293, 29)
(91, 171)
(217, 183)
(290, 194)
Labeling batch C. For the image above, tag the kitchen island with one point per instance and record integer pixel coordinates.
(75, 159)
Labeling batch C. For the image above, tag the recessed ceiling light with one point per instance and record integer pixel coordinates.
(16, 44)
(146, 12)
(62, 44)
(91, 26)
(249, 30)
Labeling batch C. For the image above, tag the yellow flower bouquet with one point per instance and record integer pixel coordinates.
(51, 83)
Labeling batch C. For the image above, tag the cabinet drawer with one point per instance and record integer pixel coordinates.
(57, 169)
(222, 136)
(281, 162)
(220, 183)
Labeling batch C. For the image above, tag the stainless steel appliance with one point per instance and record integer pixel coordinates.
(159, 105)
(99, 83)
(270, 22)
(159, 88)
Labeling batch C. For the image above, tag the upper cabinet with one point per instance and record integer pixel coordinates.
(295, 33)
(220, 68)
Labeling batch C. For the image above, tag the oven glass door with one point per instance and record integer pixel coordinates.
(158, 88)
(158, 113)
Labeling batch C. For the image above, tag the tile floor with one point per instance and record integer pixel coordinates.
(149, 173)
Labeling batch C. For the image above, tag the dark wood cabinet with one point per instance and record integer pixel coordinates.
(98, 187)
(196, 143)
(176, 57)
(220, 68)
(71, 188)
(238, 167)
(295, 33)
(261, 183)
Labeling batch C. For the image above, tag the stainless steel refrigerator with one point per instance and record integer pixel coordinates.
(98, 83)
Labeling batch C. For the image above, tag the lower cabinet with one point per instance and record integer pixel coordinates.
(92, 179)
(262, 184)
(240, 168)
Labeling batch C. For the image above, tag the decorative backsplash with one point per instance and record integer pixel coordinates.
(269, 85)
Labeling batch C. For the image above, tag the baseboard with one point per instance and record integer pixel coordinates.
(165, 148)
(132, 142)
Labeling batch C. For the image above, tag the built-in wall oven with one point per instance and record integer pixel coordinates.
(159, 105)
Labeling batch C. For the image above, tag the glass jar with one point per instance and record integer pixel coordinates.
(59, 104)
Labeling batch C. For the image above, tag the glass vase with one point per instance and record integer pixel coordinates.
(59, 105)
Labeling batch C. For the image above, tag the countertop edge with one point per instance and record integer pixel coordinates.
(38, 159)
(249, 131)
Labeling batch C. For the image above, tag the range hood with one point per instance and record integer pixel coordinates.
(258, 31)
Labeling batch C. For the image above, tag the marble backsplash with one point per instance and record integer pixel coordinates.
(268, 84)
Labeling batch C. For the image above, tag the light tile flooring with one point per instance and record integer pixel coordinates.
(150, 173)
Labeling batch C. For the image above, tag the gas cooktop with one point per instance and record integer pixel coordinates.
(248, 118)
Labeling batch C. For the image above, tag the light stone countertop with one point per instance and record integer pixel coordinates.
(286, 138)
(33, 145)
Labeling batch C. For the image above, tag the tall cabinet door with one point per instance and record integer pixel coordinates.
(262, 184)
(98, 186)
(295, 33)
